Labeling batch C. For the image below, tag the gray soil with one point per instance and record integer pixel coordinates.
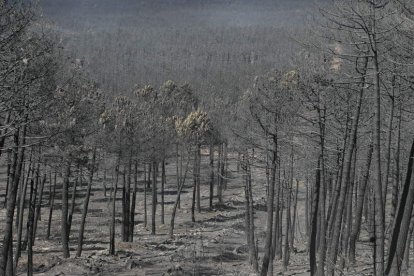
(214, 245)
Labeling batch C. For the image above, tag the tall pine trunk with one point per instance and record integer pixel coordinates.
(219, 176)
(177, 200)
(38, 206)
(270, 203)
(359, 207)
(147, 179)
(133, 203)
(77, 181)
(401, 223)
(154, 196)
(314, 222)
(211, 176)
(52, 202)
(249, 215)
(64, 223)
(113, 214)
(348, 157)
(21, 215)
(379, 207)
(126, 188)
(30, 237)
(85, 205)
(163, 180)
(18, 157)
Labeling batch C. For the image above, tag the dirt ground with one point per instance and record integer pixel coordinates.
(214, 245)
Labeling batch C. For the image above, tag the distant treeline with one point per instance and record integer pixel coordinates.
(218, 46)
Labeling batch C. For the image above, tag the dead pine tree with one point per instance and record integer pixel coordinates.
(126, 195)
(249, 214)
(6, 261)
(314, 222)
(112, 208)
(177, 200)
(361, 198)
(270, 203)
(21, 213)
(52, 202)
(86, 204)
(39, 206)
(289, 229)
(133, 203)
(198, 177)
(77, 181)
(294, 220)
(30, 238)
(212, 176)
(154, 197)
(400, 232)
(163, 182)
(219, 175)
(64, 223)
(193, 201)
(146, 179)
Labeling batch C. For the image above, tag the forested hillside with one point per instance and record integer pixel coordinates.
(217, 46)
(206, 137)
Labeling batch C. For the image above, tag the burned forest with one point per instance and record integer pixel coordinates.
(206, 137)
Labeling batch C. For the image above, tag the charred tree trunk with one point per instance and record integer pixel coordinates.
(154, 196)
(286, 251)
(126, 196)
(64, 222)
(379, 207)
(396, 183)
(279, 235)
(113, 214)
(193, 201)
(270, 203)
(104, 182)
(85, 205)
(276, 247)
(52, 202)
(322, 190)
(178, 166)
(338, 182)
(348, 157)
(77, 181)
(225, 165)
(289, 229)
(180, 188)
(314, 222)
(295, 207)
(401, 223)
(359, 207)
(198, 186)
(145, 193)
(8, 177)
(219, 176)
(18, 157)
(211, 176)
(133, 204)
(347, 223)
(389, 140)
(307, 208)
(249, 215)
(21, 216)
(38, 207)
(163, 179)
(30, 237)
